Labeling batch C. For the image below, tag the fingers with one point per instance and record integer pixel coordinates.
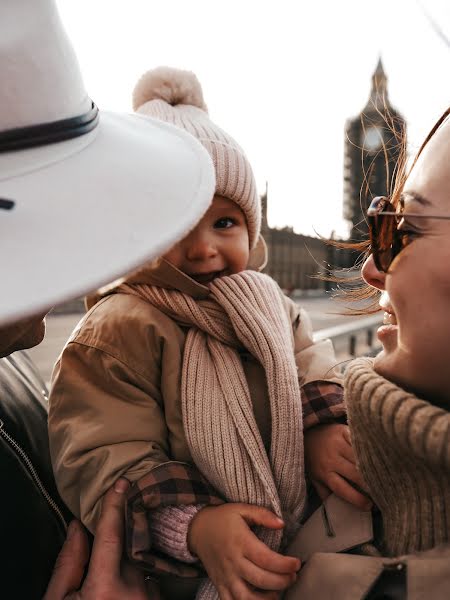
(264, 579)
(108, 542)
(343, 443)
(69, 567)
(346, 491)
(346, 451)
(261, 555)
(346, 435)
(257, 515)
(349, 471)
(322, 490)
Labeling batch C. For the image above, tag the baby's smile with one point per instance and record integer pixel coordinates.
(205, 278)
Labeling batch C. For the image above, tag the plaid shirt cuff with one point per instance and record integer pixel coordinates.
(323, 402)
(168, 484)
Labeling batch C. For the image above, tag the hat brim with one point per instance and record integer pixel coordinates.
(91, 209)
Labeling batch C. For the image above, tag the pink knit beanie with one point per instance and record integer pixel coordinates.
(175, 96)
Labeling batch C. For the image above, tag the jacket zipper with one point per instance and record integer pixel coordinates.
(29, 465)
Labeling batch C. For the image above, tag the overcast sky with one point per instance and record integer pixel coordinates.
(281, 76)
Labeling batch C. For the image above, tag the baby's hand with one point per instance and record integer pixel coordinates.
(238, 563)
(330, 461)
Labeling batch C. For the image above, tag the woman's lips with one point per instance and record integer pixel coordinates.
(389, 327)
(389, 318)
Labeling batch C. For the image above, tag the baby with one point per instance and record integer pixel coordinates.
(200, 362)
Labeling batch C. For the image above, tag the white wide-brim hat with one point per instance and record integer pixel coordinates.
(85, 197)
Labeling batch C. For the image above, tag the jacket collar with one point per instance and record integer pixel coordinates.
(165, 275)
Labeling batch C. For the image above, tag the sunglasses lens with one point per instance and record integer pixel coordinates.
(382, 233)
(388, 226)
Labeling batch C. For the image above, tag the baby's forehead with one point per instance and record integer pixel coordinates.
(221, 202)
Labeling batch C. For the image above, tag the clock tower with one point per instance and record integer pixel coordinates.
(372, 148)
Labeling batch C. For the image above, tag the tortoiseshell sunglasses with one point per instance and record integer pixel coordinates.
(386, 240)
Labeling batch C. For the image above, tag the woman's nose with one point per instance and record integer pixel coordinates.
(372, 275)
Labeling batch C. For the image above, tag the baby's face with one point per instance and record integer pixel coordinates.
(218, 245)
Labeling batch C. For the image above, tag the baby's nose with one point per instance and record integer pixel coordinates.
(201, 247)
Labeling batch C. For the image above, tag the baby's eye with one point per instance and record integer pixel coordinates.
(224, 223)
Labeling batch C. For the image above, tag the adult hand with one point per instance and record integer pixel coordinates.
(107, 578)
(238, 563)
(330, 464)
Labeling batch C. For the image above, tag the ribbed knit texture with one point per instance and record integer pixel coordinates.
(169, 526)
(402, 446)
(175, 96)
(243, 310)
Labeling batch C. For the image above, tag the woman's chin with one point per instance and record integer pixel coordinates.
(390, 364)
(384, 365)
(384, 361)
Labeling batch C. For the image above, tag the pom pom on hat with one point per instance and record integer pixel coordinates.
(174, 86)
(176, 97)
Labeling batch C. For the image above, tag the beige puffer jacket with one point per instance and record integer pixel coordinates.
(115, 403)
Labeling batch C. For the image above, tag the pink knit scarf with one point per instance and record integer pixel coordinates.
(242, 311)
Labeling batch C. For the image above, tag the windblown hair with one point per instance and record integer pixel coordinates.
(353, 288)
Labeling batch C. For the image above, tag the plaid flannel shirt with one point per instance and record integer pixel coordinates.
(171, 483)
(323, 402)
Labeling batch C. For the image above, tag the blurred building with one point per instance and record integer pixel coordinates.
(372, 149)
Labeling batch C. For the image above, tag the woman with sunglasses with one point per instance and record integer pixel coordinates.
(409, 264)
(399, 403)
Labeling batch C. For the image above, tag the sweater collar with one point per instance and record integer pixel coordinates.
(402, 444)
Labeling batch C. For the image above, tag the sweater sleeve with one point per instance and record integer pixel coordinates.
(159, 509)
(169, 526)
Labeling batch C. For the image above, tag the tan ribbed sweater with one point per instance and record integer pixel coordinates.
(402, 445)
